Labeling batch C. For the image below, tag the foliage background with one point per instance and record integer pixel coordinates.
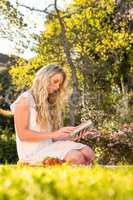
(99, 42)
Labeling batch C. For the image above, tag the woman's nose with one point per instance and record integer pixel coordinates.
(57, 86)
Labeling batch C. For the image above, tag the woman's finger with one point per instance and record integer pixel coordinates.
(77, 137)
(89, 133)
(81, 133)
(74, 139)
(70, 128)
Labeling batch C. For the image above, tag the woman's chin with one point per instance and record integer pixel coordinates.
(52, 92)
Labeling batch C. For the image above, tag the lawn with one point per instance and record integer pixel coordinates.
(66, 182)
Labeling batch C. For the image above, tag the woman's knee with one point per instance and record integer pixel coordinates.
(75, 157)
(88, 153)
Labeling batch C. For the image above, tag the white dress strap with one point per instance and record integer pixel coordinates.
(24, 94)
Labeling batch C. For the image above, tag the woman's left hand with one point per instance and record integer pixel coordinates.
(83, 134)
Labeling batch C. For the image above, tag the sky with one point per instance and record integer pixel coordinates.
(8, 47)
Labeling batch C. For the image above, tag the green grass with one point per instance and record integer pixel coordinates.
(66, 183)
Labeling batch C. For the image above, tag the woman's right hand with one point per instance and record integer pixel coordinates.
(63, 133)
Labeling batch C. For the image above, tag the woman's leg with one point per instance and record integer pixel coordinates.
(75, 157)
(88, 153)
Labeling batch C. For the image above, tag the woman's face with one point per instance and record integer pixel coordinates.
(54, 83)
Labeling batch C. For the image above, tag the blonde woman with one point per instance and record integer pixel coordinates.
(38, 121)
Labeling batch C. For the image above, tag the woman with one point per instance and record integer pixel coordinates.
(38, 121)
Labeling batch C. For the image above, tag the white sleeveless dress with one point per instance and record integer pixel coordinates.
(33, 152)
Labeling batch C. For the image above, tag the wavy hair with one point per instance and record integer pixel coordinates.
(50, 107)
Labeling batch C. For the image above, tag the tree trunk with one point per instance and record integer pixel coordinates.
(66, 47)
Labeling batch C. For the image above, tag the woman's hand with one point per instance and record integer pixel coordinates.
(63, 133)
(83, 134)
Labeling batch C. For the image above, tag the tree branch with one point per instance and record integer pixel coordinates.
(39, 10)
(46, 10)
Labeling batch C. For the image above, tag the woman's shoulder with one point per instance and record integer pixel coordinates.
(27, 94)
(24, 98)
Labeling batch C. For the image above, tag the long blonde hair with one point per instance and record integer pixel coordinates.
(49, 107)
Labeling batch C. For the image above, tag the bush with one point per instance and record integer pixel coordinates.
(66, 182)
(6, 121)
(8, 153)
(112, 148)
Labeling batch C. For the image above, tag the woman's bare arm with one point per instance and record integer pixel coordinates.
(21, 118)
